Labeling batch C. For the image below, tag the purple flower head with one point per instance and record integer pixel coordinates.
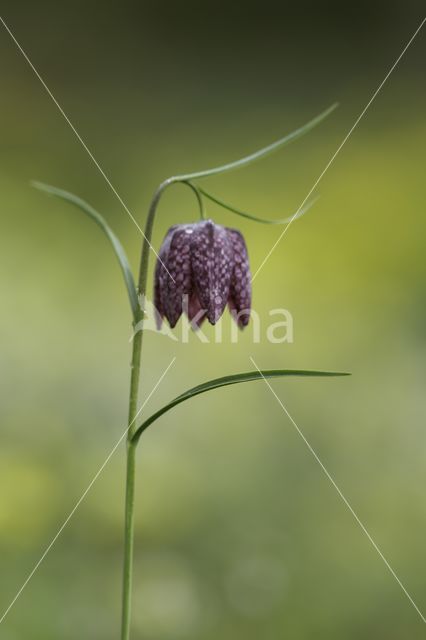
(202, 267)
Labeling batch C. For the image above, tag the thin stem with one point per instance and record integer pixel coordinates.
(133, 404)
(128, 537)
(146, 245)
(197, 191)
(130, 488)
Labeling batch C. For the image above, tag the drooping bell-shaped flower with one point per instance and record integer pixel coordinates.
(201, 268)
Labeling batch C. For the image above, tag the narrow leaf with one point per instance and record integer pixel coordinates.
(228, 380)
(261, 153)
(250, 216)
(100, 221)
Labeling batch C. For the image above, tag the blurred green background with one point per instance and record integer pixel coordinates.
(239, 533)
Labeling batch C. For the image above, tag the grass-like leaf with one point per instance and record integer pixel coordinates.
(261, 153)
(100, 221)
(226, 381)
(252, 217)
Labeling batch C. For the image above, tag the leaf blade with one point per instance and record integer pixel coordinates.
(260, 153)
(101, 222)
(244, 214)
(224, 381)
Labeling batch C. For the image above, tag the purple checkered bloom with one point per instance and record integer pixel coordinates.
(202, 267)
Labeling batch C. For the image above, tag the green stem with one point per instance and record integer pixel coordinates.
(128, 545)
(197, 192)
(146, 246)
(133, 404)
(130, 488)
(133, 409)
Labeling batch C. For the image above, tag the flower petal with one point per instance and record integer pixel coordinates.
(178, 281)
(211, 259)
(160, 277)
(195, 312)
(240, 290)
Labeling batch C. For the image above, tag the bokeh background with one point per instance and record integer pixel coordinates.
(239, 533)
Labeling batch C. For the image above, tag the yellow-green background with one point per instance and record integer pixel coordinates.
(239, 533)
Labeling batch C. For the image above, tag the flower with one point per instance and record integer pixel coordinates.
(200, 268)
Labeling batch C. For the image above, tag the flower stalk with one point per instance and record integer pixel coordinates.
(133, 404)
(129, 508)
(131, 444)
